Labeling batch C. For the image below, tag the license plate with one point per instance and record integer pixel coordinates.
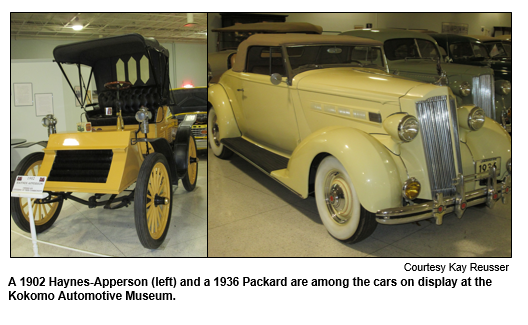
(484, 166)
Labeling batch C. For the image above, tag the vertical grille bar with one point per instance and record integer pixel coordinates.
(435, 125)
(484, 94)
(454, 117)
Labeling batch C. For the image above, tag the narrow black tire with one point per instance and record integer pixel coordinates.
(152, 217)
(191, 177)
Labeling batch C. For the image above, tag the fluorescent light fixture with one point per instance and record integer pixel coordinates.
(77, 27)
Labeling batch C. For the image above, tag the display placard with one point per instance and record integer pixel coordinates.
(29, 184)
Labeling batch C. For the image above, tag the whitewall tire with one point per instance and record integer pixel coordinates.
(214, 137)
(338, 203)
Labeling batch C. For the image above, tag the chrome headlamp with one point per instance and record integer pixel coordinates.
(476, 118)
(408, 128)
(143, 116)
(401, 127)
(503, 87)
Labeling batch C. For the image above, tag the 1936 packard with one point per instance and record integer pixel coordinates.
(132, 139)
(320, 115)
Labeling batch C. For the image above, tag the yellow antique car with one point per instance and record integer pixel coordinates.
(192, 101)
(131, 139)
(321, 115)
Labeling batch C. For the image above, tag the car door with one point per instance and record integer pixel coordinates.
(268, 111)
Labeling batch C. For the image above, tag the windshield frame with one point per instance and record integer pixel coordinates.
(291, 74)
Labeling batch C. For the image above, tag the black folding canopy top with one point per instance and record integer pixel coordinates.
(105, 54)
(89, 52)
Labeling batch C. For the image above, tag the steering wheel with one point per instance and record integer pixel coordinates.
(118, 85)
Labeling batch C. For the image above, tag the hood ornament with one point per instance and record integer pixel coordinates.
(442, 75)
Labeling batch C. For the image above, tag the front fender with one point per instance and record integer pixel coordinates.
(217, 97)
(371, 166)
(489, 142)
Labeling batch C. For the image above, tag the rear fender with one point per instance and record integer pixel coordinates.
(228, 127)
(370, 165)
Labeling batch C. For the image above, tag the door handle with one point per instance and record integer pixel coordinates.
(240, 89)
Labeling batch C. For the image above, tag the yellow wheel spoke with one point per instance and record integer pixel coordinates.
(35, 206)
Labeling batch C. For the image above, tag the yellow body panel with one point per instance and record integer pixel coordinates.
(127, 157)
(327, 112)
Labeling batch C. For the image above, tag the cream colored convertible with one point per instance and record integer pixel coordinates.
(319, 114)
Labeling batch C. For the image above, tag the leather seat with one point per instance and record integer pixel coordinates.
(130, 101)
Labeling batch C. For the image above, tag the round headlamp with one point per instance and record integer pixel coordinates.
(476, 118)
(411, 189)
(143, 114)
(408, 128)
(503, 87)
(465, 89)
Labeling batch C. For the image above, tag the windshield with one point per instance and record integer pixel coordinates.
(468, 50)
(498, 50)
(410, 48)
(310, 57)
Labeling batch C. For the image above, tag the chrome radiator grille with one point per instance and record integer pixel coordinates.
(435, 126)
(197, 132)
(484, 94)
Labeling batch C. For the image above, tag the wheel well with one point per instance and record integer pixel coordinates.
(313, 170)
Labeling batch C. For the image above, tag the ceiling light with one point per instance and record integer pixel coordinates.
(77, 27)
(190, 21)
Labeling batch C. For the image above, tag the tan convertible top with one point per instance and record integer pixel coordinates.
(306, 28)
(295, 39)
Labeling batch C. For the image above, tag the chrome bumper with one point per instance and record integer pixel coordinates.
(458, 203)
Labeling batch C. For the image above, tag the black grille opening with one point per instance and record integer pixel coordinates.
(86, 166)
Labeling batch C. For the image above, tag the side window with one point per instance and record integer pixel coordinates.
(460, 50)
(399, 49)
(264, 60)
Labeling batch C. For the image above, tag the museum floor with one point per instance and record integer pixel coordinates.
(249, 214)
(113, 232)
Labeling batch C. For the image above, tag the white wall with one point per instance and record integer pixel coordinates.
(45, 77)
(189, 64)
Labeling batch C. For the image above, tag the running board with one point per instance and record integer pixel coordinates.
(263, 159)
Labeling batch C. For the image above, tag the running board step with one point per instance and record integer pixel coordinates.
(261, 158)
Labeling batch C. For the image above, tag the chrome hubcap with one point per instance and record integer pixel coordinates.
(337, 197)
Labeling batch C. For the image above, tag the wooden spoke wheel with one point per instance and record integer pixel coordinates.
(189, 180)
(44, 213)
(153, 200)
